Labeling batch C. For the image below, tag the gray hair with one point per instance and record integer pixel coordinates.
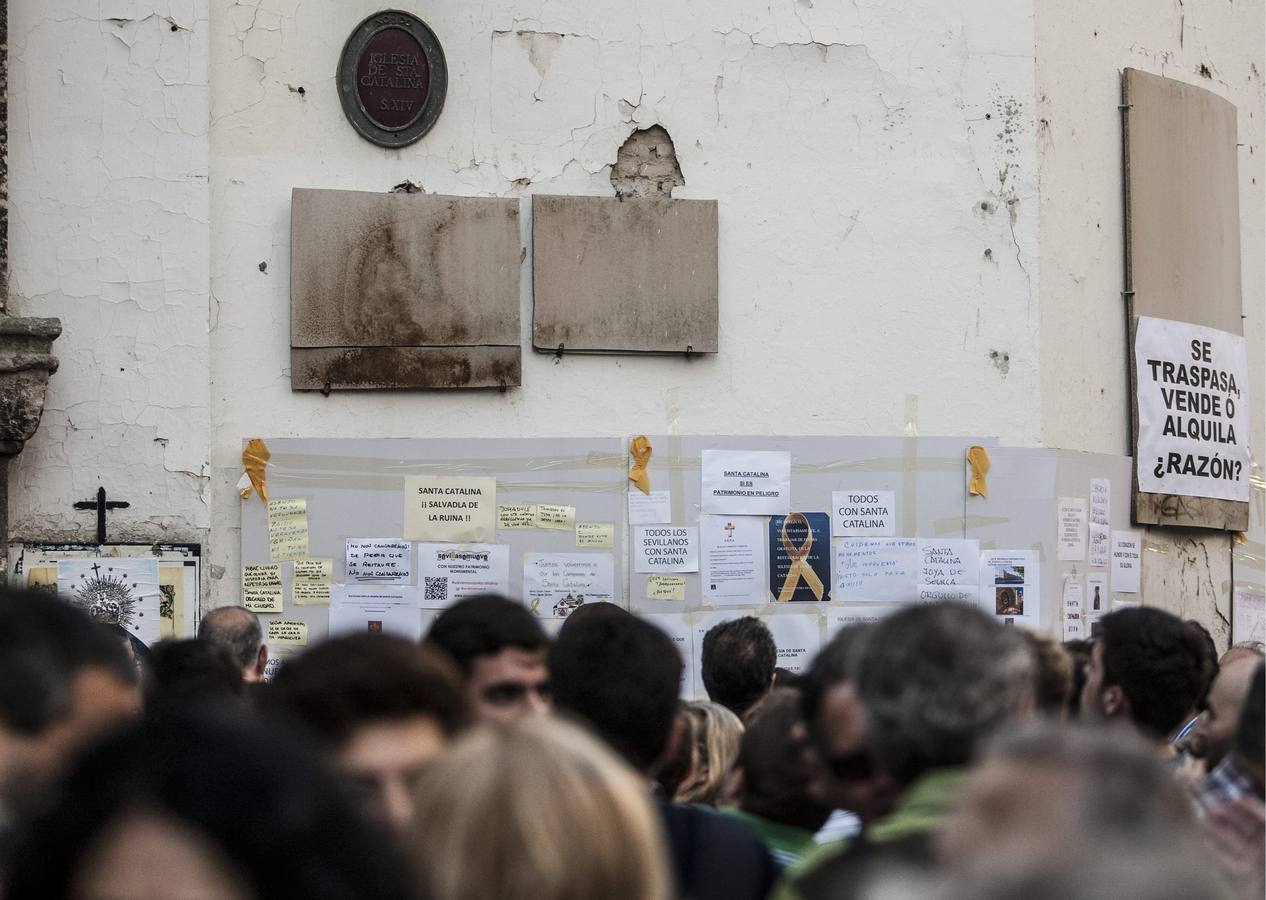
(1121, 791)
(237, 629)
(935, 681)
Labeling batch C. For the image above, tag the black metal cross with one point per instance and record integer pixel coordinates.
(101, 505)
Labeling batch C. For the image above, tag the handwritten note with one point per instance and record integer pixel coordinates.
(287, 529)
(595, 534)
(314, 570)
(310, 593)
(949, 562)
(666, 587)
(654, 508)
(261, 588)
(378, 560)
(557, 518)
(287, 631)
(556, 584)
(876, 569)
(516, 516)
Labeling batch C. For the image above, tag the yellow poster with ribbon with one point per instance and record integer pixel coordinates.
(800, 557)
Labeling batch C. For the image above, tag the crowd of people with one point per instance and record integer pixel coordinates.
(936, 753)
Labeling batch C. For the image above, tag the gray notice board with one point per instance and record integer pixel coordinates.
(355, 489)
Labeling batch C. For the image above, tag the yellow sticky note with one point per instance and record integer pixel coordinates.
(287, 631)
(261, 588)
(287, 529)
(516, 516)
(666, 587)
(595, 534)
(559, 518)
(314, 570)
(310, 593)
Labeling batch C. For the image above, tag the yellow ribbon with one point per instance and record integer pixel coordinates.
(254, 458)
(979, 461)
(800, 567)
(640, 447)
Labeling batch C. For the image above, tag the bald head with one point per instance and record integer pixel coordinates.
(1221, 719)
(237, 629)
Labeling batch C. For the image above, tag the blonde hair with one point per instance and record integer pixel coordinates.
(538, 810)
(720, 733)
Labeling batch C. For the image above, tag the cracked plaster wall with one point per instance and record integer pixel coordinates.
(109, 232)
(875, 166)
(1081, 48)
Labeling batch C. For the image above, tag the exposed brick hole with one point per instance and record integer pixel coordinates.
(646, 165)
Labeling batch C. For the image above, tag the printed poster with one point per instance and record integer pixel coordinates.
(452, 572)
(375, 609)
(734, 560)
(450, 509)
(1193, 410)
(863, 513)
(677, 628)
(746, 482)
(1098, 601)
(1074, 608)
(800, 557)
(665, 548)
(114, 590)
(1072, 529)
(1127, 561)
(1010, 585)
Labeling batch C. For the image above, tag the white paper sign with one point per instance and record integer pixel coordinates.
(677, 628)
(734, 560)
(840, 617)
(383, 561)
(1248, 613)
(654, 508)
(452, 572)
(863, 513)
(747, 482)
(1074, 614)
(117, 591)
(1072, 529)
(1098, 600)
(876, 569)
(557, 584)
(1100, 500)
(1100, 538)
(1011, 585)
(665, 548)
(1127, 561)
(1193, 410)
(797, 637)
(373, 609)
(949, 561)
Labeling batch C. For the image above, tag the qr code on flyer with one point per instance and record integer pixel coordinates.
(436, 589)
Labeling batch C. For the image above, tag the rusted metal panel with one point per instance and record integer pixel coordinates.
(631, 275)
(1182, 242)
(404, 270)
(365, 368)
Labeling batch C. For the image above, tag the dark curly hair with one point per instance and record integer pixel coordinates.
(1157, 661)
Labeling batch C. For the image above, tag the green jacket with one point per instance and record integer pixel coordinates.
(786, 843)
(921, 810)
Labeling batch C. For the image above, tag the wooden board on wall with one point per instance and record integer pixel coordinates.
(1182, 242)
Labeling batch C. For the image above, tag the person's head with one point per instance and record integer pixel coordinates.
(1044, 785)
(1200, 637)
(192, 672)
(1147, 667)
(536, 810)
(208, 807)
(937, 680)
(384, 707)
(64, 679)
(773, 779)
(1079, 652)
(1250, 739)
(1054, 682)
(619, 675)
(237, 629)
(844, 771)
(500, 648)
(680, 764)
(738, 662)
(1242, 650)
(717, 735)
(1221, 720)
